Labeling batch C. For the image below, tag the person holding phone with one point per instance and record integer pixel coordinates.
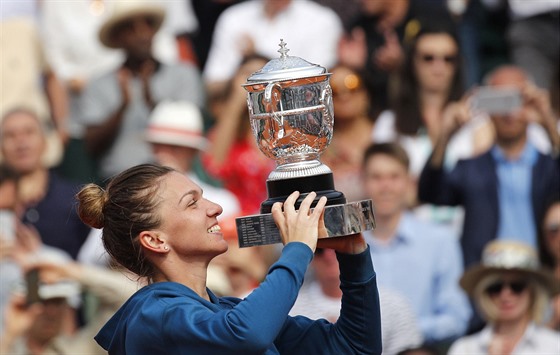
(157, 223)
(503, 191)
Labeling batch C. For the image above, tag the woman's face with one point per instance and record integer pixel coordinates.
(189, 221)
(552, 231)
(511, 296)
(350, 98)
(435, 62)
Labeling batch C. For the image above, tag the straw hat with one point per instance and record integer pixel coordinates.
(177, 123)
(126, 10)
(499, 256)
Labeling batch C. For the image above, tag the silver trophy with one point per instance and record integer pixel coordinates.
(291, 112)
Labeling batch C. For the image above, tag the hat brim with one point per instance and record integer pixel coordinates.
(195, 142)
(106, 33)
(473, 275)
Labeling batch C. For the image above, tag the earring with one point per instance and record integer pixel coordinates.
(166, 248)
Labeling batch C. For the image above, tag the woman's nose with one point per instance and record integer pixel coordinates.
(214, 209)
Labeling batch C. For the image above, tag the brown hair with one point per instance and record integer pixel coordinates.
(405, 101)
(124, 209)
(394, 150)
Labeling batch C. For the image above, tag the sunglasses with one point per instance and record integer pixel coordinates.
(430, 58)
(517, 287)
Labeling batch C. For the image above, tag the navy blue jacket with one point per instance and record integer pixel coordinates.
(473, 184)
(170, 318)
(56, 218)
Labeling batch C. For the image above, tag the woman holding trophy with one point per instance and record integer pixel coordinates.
(157, 223)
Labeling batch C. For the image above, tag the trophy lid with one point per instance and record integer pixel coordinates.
(285, 68)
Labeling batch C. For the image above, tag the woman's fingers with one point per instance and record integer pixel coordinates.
(320, 207)
(289, 204)
(305, 205)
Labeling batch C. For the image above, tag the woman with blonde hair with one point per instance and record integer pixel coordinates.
(511, 292)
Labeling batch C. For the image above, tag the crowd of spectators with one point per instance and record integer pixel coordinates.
(467, 242)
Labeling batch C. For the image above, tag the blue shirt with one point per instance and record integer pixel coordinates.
(423, 262)
(55, 216)
(170, 318)
(517, 220)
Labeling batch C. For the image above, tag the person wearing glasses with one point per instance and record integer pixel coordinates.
(511, 292)
(430, 81)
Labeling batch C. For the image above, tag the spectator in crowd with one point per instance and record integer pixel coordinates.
(320, 298)
(353, 126)
(233, 156)
(503, 191)
(256, 27)
(175, 131)
(207, 13)
(511, 292)
(27, 79)
(46, 199)
(32, 328)
(116, 106)
(430, 81)
(549, 253)
(42, 328)
(175, 234)
(420, 260)
(532, 36)
(69, 34)
(372, 42)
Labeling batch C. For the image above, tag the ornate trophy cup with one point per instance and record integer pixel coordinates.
(291, 112)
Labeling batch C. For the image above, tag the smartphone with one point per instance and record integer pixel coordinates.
(32, 283)
(7, 225)
(497, 100)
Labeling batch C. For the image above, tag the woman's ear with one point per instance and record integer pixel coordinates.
(153, 242)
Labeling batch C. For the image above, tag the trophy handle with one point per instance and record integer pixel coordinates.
(272, 95)
(326, 101)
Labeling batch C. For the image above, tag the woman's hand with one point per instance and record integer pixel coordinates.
(302, 225)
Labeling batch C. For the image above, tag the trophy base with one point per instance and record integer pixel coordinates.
(340, 220)
(323, 185)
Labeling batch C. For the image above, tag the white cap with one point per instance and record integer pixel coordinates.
(177, 123)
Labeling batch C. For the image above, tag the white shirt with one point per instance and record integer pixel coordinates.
(310, 30)
(536, 341)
